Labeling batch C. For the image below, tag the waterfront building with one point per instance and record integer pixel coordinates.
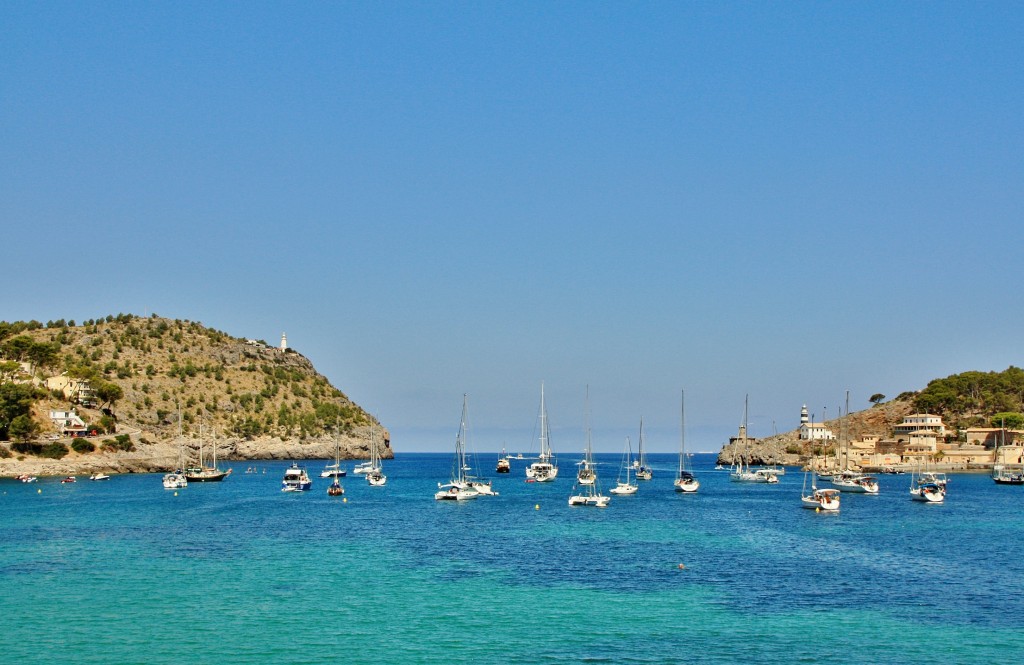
(920, 422)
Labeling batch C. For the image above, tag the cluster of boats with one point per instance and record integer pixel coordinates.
(98, 475)
(296, 479)
(464, 484)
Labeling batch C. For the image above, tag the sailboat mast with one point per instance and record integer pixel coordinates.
(682, 430)
(543, 426)
(743, 457)
(461, 447)
(640, 445)
(586, 419)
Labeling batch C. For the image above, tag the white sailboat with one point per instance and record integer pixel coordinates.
(334, 469)
(375, 476)
(458, 488)
(741, 472)
(176, 479)
(1001, 475)
(848, 480)
(685, 481)
(588, 494)
(924, 488)
(625, 487)
(545, 468)
(643, 472)
(335, 488)
(586, 474)
(818, 499)
(482, 486)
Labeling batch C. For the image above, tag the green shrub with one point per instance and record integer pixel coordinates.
(4, 452)
(121, 442)
(82, 446)
(55, 450)
(27, 447)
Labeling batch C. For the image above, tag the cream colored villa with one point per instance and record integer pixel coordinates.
(919, 422)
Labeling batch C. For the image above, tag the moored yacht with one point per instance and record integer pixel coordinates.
(818, 499)
(295, 479)
(821, 499)
(375, 475)
(459, 488)
(928, 492)
(504, 465)
(624, 487)
(588, 493)
(685, 481)
(544, 470)
(851, 481)
(334, 470)
(643, 471)
(175, 480)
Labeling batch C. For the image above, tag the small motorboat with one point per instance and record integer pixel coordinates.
(99, 476)
(69, 479)
(504, 466)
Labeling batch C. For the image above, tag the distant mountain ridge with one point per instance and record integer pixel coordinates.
(254, 400)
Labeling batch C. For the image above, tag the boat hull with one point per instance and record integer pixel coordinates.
(542, 473)
(926, 495)
(687, 486)
(597, 501)
(856, 486)
(207, 476)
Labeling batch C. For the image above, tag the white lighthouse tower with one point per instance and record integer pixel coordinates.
(284, 342)
(803, 415)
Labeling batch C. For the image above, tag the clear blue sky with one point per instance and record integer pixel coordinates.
(789, 200)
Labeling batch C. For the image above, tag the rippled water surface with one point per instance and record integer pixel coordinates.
(124, 571)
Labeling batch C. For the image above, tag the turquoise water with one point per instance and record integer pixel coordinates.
(126, 572)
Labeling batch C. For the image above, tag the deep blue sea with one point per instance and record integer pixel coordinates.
(124, 571)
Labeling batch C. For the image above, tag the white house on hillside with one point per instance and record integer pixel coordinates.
(921, 422)
(813, 431)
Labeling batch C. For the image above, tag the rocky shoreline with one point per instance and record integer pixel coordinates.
(162, 456)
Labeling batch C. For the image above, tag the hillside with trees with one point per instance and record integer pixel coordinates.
(976, 399)
(152, 378)
(968, 399)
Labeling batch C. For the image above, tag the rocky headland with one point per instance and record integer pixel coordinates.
(166, 386)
